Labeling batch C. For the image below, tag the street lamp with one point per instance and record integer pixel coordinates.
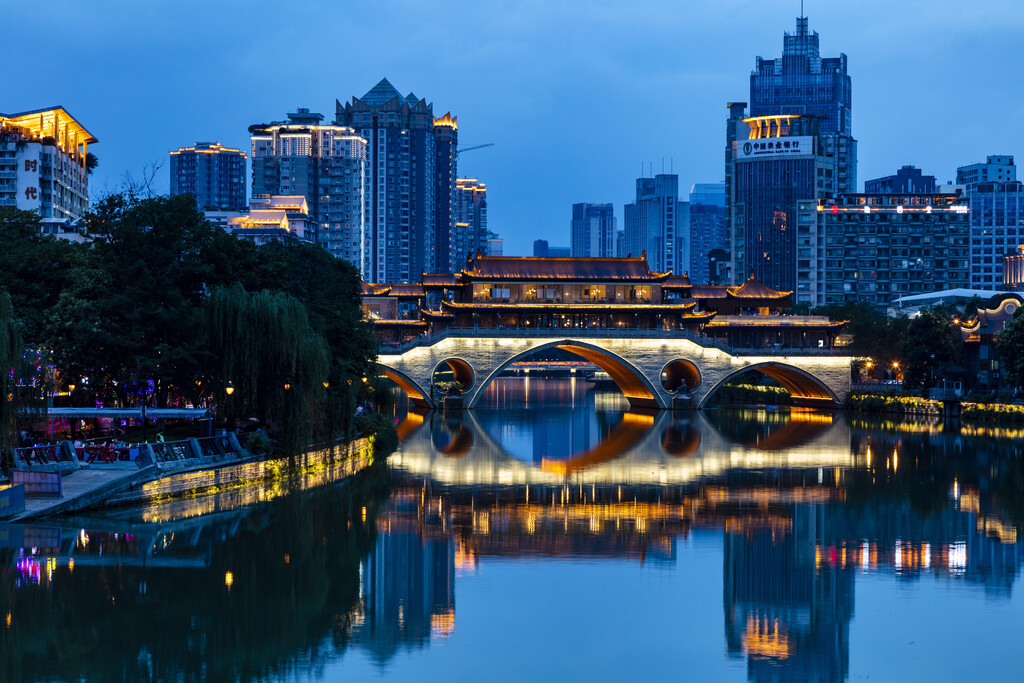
(229, 389)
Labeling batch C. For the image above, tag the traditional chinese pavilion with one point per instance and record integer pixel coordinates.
(506, 292)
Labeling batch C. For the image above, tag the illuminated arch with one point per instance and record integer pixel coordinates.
(462, 372)
(680, 375)
(631, 382)
(806, 389)
(408, 385)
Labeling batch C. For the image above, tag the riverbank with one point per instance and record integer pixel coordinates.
(915, 406)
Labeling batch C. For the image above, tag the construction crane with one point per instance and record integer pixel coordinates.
(470, 149)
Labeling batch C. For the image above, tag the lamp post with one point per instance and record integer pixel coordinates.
(229, 389)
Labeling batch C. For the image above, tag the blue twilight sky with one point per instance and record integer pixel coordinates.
(577, 96)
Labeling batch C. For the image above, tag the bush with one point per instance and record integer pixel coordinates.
(860, 402)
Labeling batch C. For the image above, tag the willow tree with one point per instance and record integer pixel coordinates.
(11, 352)
(265, 348)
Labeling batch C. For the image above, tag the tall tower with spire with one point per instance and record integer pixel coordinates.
(409, 155)
(803, 82)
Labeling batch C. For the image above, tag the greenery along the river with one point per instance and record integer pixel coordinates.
(127, 314)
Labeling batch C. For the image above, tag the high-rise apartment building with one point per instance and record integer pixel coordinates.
(593, 231)
(326, 164)
(772, 163)
(876, 248)
(470, 235)
(996, 199)
(996, 169)
(656, 224)
(707, 229)
(411, 172)
(43, 164)
(450, 197)
(213, 173)
(803, 82)
(908, 180)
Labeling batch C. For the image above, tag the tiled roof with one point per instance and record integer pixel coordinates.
(752, 289)
(370, 289)
(709, 292)
(570, 269)
(682, 309)
(406, 290)
(775, 321)
(442, 280)
(677, 282)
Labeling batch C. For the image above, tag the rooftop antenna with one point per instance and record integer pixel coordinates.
(801, 9)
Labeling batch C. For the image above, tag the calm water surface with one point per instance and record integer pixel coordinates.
(555, 534)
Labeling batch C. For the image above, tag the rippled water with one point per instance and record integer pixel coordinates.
(555, 534)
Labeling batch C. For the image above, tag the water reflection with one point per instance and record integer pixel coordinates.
(801, 514)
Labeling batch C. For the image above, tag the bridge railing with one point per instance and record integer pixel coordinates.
(608, 333)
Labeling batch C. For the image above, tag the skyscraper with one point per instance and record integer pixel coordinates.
(213, 173)
(593, 230)
(470, 234)
(325, 164)
(707, 228)
(411, 172)
(773, 163)
(652, 224)
(803, 82)
(908, 180)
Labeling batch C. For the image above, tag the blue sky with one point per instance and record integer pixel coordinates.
(578, 97)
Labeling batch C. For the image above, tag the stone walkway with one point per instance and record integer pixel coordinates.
(80, 487)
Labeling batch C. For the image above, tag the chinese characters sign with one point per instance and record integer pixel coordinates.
(775, 147)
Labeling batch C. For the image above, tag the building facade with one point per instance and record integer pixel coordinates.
(542, 249)
(270, 219)
(803, 82)
(470, 235)
(653, 224)
(996, 169)
(411, 173)
(774, 163)
(43, 164)
(593, 230)
(908, 180)
(877, 248)
(326, 164)
(213, 173)
(707, 229)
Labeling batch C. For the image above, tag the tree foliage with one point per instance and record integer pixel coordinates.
(1010, 346)
(11, 352)
(875, 335)
(931, 343)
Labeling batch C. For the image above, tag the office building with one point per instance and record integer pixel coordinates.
(411, 169)
(707, 229)
(543, 250)
(653, 224)
(593, 230)
(43, 164)
(908, 180)
(877, 248)
(995, 169)
(804, 83)
(213, 173)
(326, 164)
(772, 164)
(996, 199)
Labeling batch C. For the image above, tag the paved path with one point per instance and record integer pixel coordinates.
(80, 487)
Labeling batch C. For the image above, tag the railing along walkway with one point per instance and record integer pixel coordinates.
(608, 333)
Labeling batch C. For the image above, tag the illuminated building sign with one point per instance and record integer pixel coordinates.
(775, 147)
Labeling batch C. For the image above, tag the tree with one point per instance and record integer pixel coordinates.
(11, 352)
(1009, 345)
(875, 335)
(264, 346)
(131, 313)
(932, 341)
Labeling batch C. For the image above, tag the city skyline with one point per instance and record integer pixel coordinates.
(537, 88)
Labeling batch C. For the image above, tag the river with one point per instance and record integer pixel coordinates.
(554, 534)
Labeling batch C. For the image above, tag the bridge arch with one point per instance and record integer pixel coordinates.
(462, 372)
(412, 389)
(806, 389)
(680, 375)
(634, 385)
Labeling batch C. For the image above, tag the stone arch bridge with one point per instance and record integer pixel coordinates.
(653, 372)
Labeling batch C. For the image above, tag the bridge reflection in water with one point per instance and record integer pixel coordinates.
(776, 485)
